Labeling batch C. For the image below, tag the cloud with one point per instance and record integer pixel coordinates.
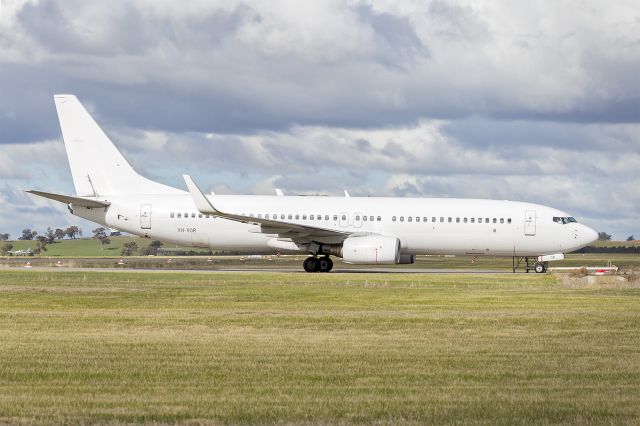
(316, 95)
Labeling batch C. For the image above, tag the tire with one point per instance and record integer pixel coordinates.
(325, 264)
(540, 268)
(311, 264)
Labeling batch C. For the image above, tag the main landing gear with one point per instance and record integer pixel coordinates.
(317, 264)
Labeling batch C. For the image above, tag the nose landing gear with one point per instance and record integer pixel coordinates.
(540, 268)
(317, 264)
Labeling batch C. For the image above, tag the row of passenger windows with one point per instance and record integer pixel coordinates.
(451, 219)
(186, 215)
(290, 216)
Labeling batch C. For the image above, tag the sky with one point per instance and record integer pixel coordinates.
(527, 101)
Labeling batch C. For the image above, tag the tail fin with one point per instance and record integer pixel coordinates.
(97, 167)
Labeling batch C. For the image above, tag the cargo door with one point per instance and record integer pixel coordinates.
(530, 222)
(145, 216)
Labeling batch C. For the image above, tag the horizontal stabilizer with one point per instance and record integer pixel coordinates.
(67, 199)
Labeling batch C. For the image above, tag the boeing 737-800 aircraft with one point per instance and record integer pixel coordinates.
(360, 230)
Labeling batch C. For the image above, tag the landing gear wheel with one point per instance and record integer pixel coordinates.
(326, 264)
(311, 264)
(540, 268)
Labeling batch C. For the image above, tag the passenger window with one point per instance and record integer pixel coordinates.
(344, 217)
(425, 219)
(259, 215)
(495, 220)
(457, 220)
(290, 216)
(502, 220)
(335, 217)
(409, 219)
(441, 219)
(465, 220)
(486, 220)
(312, 217)
(357, 217)
(401, 218)
(393, 219)
(449, 220)
(509, 220)
(364, 218)
(172, 215)
(200, 215)
(326, 217)
(479, 220)
(179, 215)
(193, 215)
(207, 216)
(379, 218)
(473, 220)
(297, 217)
(417, 218)
(186, 215)
(370, 218)
(304, 217)
(433, 219)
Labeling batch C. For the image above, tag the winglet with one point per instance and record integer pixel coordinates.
(199, 199)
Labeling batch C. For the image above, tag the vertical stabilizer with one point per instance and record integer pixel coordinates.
(97, 167)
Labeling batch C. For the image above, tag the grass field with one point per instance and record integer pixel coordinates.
(87, 247)
(119, 347)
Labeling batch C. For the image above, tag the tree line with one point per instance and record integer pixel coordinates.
(49, 237)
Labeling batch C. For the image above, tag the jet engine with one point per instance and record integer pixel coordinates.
(371, 250)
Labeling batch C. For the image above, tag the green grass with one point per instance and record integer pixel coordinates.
(89, 347)
(87, 247)
(613, 243)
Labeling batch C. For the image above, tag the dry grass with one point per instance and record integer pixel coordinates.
(316, 349)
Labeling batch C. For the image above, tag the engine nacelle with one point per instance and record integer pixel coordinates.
(371, 250)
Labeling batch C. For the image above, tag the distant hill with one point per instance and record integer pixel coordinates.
(89, 247)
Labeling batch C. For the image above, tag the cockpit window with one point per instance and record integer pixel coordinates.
(564, 220)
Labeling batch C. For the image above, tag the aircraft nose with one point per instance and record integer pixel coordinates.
(588, 235)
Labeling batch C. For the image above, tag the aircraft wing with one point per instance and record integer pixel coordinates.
(294, 231)
(68, 199)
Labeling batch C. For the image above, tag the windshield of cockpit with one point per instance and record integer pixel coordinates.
(564, 220)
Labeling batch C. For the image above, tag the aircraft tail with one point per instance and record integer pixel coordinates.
(97, 167)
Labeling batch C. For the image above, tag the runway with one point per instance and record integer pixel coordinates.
(267, 270)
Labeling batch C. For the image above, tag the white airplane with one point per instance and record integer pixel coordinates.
(26, 252)
(360, 230)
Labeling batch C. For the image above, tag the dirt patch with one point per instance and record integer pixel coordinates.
(623, 279)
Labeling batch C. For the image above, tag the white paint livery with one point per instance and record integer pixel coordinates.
(364, 230)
